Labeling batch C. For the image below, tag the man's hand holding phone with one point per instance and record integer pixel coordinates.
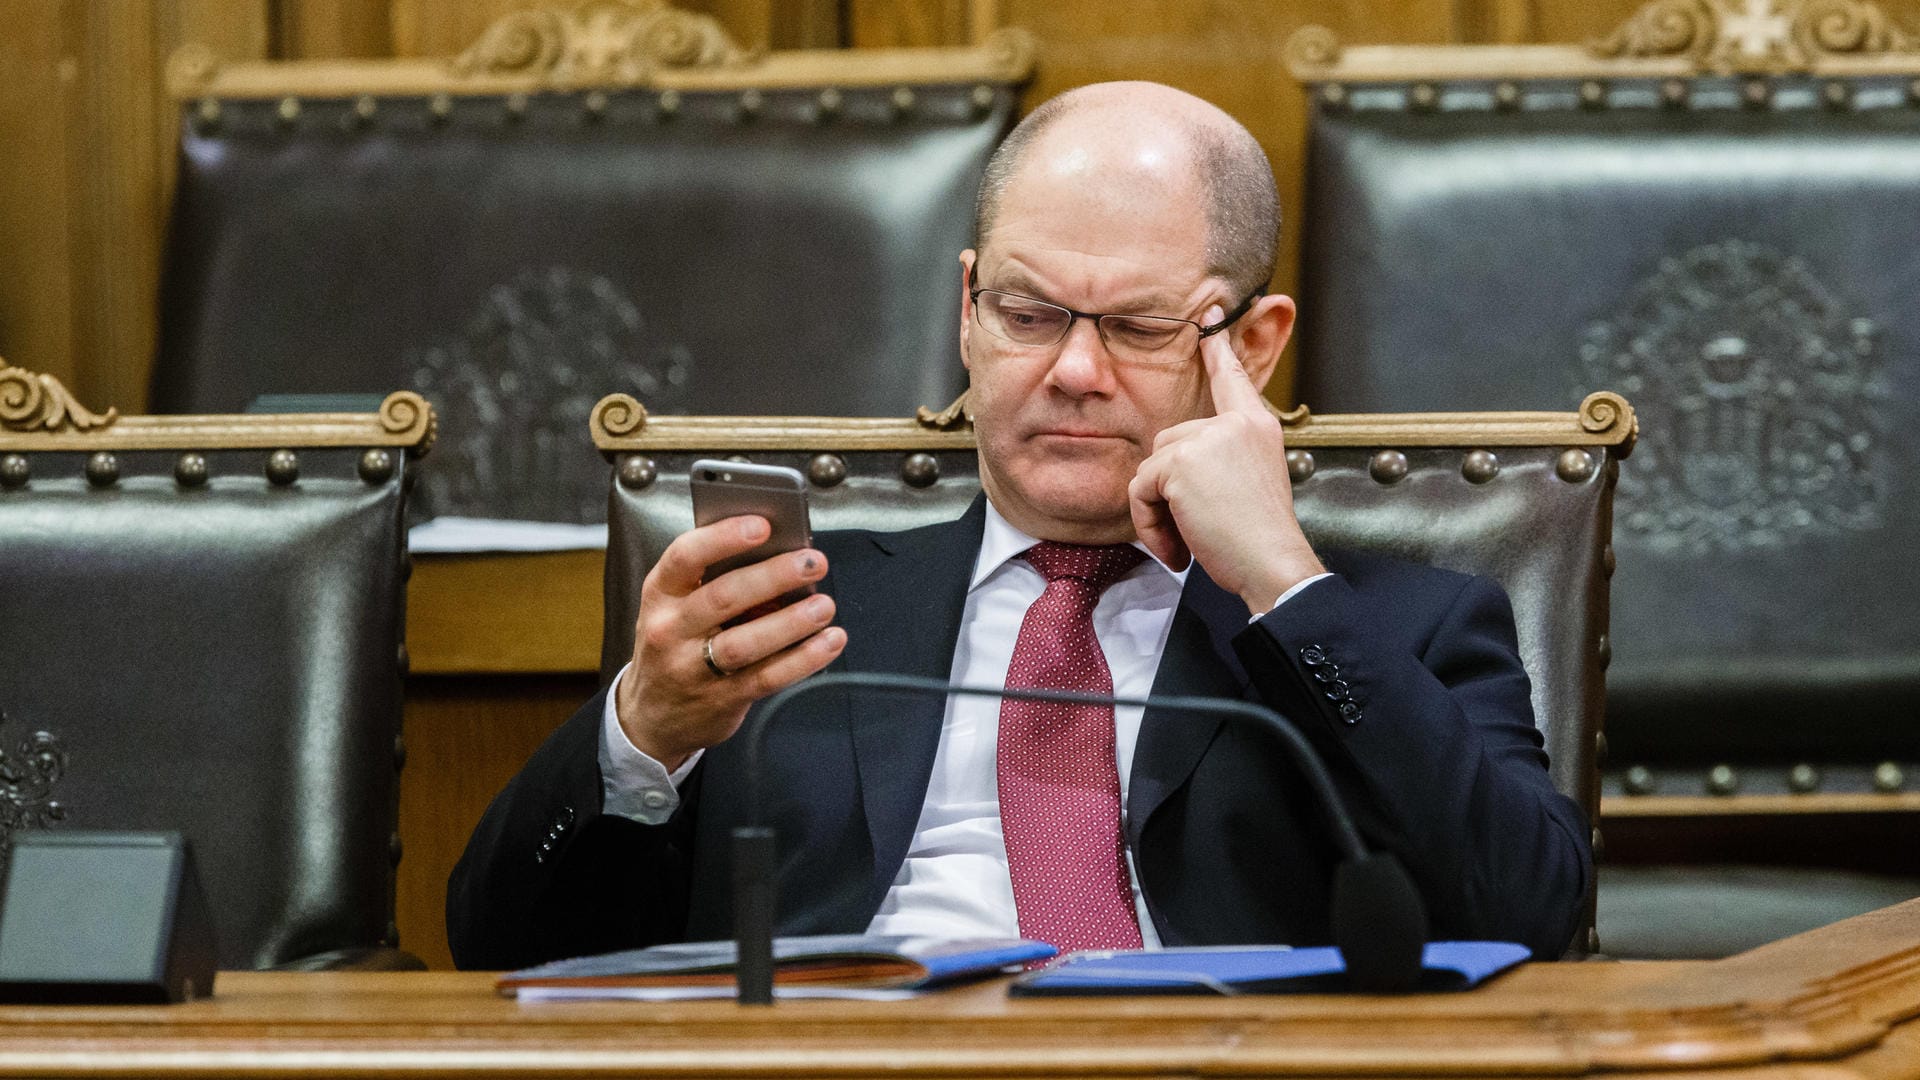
(671, 701)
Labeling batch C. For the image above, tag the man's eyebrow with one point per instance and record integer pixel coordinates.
(1014, 280)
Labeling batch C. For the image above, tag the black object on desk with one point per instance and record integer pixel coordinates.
(103, 918)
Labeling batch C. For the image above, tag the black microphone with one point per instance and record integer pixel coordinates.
(1379, 923)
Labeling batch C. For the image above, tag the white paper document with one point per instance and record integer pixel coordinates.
(472, 536)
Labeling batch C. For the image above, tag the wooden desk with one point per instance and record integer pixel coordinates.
(1838, 1002)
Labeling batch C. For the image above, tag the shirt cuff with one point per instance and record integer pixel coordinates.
(632, 784)
(1285, 596)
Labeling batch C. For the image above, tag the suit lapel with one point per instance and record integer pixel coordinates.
(1198, 660)
(902, 607)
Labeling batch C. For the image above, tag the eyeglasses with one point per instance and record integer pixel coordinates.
(1139, 339)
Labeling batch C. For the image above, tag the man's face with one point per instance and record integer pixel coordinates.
(1063, 428)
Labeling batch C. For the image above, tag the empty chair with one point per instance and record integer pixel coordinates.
(591, 197)
(204, 634)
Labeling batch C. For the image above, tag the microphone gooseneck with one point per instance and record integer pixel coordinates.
(1378, 921)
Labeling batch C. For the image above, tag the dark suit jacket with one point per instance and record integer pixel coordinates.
(1441, 765)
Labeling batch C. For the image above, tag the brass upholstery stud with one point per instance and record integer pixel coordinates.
(981, 98)
(403, 660)
(1299, 464)
(1593, 93)
(1599, 843)
(289, 111)
(826, 470)
(595, 103)
(190, 470)
(667, 105)
(903, 101)
(637, 472)
(376, 466)
(1593, 939)
(440, 107)
(1639, 780)
(1333, 95)
(920, 470)
(103, 469)
(828, 105)
(1424, 97)
(399, 753)
(1388, 466)
(1756, 93)
(1803, 778)
(1479, 466)
(750, 104)
(516, 107)
(1607, 560)
(1913, 92)
(1604, 651)
(283, 467)
(1888, 777)
(740, 459)
(1507, 95)
(363, 112)
(14, 471)
(394, 848)
(1722, 780)
(206, 115)
(1574, 466)
(1599, 747)
(1837, 94)
(1673, 93)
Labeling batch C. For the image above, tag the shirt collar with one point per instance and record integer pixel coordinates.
(1001, 541)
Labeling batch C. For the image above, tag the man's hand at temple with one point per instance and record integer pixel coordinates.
(671, 703)
(1217, 489)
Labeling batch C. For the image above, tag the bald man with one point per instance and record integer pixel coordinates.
(1136, 533)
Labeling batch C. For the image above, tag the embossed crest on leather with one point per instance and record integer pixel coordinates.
(1761, 398)
(516, 389)
(28, 773)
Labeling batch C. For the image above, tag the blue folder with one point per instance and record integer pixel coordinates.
(1445, 966)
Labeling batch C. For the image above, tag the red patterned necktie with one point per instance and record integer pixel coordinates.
(1059, 786)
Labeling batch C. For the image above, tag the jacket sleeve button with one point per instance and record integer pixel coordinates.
(1349, 712)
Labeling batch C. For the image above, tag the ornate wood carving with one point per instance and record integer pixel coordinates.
(615, 44)
(620, 425)
(405, 421)
(1664, 38)
(1757, 35)
(36, 402)
(599, 41)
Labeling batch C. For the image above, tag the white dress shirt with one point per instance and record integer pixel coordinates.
(954, 881)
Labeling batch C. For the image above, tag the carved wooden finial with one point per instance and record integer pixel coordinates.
(599, 41)
(952, 418)
(1756, 36)
(34, 402)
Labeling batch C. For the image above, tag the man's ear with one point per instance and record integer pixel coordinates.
(967, 258)
(1261, 334)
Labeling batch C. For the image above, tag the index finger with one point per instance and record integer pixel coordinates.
(1232, 390)
(685, 561)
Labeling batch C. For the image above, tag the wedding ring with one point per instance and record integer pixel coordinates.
(712, 664)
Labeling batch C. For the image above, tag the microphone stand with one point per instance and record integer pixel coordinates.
(1379, 922)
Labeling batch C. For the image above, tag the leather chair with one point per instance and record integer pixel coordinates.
(594, 195)
(204, 634)
(1525, 498)
(1694, 211)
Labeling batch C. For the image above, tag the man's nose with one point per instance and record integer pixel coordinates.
(1083, 365)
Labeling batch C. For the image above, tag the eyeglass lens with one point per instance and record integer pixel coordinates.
(1144, 338)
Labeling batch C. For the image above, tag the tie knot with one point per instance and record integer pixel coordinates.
(1099, 565)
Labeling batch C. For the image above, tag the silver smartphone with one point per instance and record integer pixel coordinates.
(724, 489)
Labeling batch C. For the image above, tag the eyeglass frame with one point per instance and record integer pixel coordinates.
(974, 291)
